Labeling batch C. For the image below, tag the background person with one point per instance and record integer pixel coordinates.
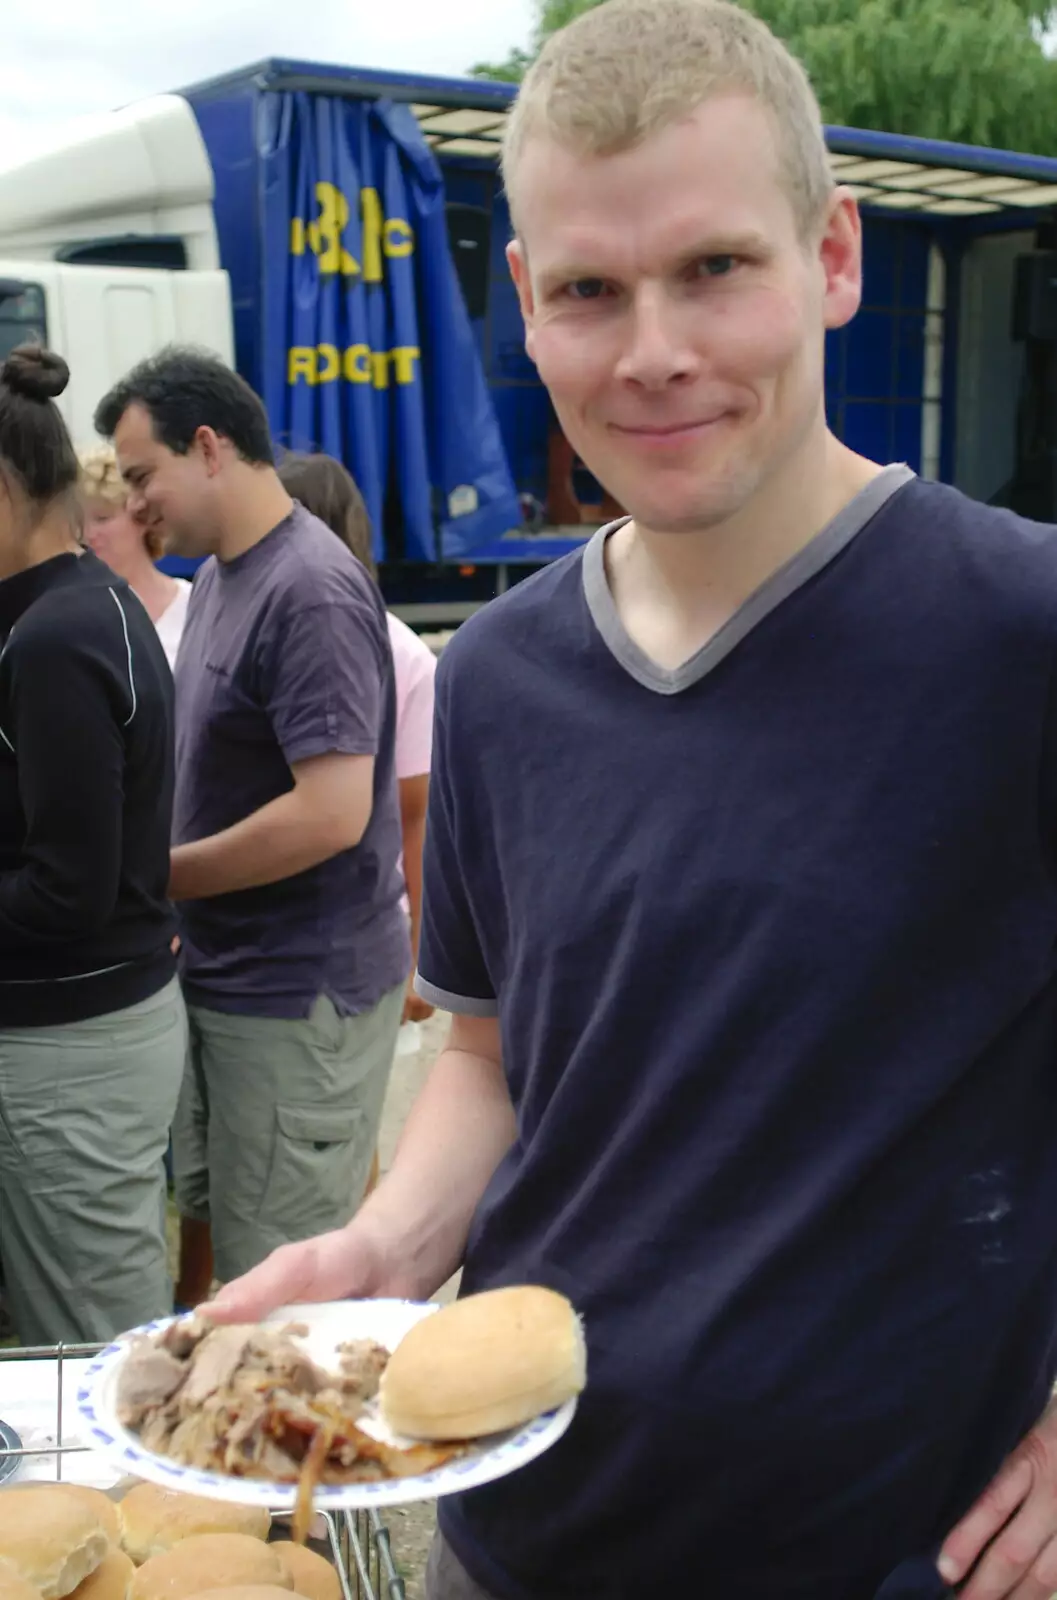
(129, 548)
(92, 1026)
(325, 487)
(285, 865)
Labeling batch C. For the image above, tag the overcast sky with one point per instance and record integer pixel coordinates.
(62, 59)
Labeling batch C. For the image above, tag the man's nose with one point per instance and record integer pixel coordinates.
(657, 351)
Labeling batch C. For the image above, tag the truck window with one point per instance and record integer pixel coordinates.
(23, 318)
(168, 254)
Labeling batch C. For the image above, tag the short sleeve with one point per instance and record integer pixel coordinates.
(415, 666)
(452, 968)
(323, 668)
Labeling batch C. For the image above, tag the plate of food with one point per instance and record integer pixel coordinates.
(352, 1404)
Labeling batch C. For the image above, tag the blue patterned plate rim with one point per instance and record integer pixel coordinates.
(384, 1320)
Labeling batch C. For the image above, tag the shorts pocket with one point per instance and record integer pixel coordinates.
(317, 1157)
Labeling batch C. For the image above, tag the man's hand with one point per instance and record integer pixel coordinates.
(345, 1265)
(1008, 1541)
(415, 1008)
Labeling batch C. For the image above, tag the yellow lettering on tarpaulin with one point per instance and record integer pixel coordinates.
(403, 359)
(324, 235)
(332, 356)
(358, 363)
(324, 363)
(301, 364)
(373, 222)
(399, 237)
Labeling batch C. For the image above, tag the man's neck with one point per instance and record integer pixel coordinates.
(256, 503)
(674, 591)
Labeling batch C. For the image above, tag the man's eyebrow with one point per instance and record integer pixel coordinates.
(745, 243)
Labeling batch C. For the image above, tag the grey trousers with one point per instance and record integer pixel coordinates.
(85, 1110)
(277, 1123)
(447, 1578)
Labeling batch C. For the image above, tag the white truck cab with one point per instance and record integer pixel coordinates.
(108, 250)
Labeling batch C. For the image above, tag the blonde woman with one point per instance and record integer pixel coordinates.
(130, 549)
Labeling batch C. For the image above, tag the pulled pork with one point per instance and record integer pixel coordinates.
(249, 1403)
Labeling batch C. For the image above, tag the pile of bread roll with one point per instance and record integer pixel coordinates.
(59, 1540)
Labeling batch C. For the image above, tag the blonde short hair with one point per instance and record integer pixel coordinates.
(630, 68)
(101, 480)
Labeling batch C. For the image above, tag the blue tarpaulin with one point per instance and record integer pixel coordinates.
(369, 354)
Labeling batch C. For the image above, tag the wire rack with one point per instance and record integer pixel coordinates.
(359, 1540)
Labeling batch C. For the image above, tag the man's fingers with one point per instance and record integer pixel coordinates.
(965, 1544)
(1021, 1564)
(332, 1267)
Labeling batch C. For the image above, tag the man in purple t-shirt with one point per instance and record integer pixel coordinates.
(295, 946)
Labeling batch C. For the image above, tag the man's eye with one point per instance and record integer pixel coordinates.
(718, 266)
(586, 289)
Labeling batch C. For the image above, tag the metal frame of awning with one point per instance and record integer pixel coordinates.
(890, 172)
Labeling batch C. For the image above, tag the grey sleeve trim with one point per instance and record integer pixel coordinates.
(462, 1005)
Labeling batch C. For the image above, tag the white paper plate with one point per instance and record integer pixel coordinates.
(385, 1321)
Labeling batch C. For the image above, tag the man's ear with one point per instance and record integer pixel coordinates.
(210, 446)
(517, 261)
(840, 250)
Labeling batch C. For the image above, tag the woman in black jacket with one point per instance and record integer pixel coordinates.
(92, 1026)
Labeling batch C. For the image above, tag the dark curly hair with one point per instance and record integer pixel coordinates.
(185, 389)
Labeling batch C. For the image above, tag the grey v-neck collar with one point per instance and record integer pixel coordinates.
(827, 544)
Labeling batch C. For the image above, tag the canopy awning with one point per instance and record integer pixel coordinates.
(463, 117)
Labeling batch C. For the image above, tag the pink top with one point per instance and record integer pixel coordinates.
(415, 666)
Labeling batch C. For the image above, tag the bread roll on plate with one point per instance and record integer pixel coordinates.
(153, 1520)
(312, 1577)
(111, 1580)
(209, 1561)
(481, 1365)
(52, 1540)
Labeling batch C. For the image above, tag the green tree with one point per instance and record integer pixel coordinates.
(971, 70)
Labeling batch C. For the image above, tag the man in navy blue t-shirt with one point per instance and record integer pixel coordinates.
(741, 885)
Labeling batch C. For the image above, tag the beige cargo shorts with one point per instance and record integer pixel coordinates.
(277, 1124)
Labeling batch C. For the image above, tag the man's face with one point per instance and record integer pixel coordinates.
(676, 314)
(167, 491)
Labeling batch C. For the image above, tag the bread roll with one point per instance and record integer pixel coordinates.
(310, 1575)
(491, 1361)
(12, 1587)
(105, 1508)
(111, 1580)
(246, 1591)
(209, 1561)
(52, 1540)
(153, 1520)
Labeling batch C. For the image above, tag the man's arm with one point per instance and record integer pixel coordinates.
(414, 799)
(408, 1238)
(326, 812)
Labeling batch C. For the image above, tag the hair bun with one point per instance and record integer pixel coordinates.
(35, 373)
